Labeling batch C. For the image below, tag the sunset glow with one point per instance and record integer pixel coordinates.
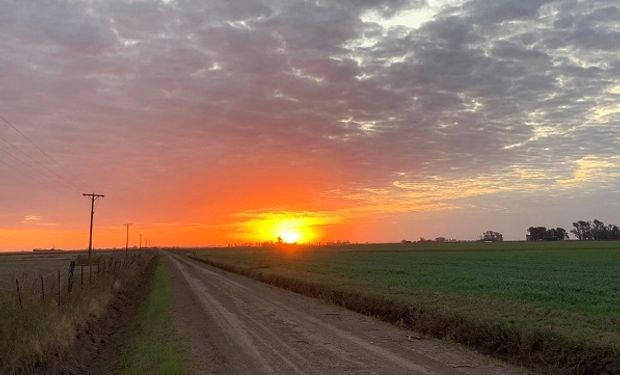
(289, 227)
(291, 236)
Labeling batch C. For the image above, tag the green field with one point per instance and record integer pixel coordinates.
(543, 296)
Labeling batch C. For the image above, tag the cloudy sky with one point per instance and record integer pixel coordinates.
(367, 120)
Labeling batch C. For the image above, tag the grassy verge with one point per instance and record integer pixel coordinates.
(38, 335)
(548, 309)
(150, 350)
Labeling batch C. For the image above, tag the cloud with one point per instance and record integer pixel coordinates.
(32, 218)
(341, 95)
(37, 220)
(413, 194)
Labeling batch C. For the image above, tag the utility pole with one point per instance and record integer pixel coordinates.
(93, 197)
(127, 240)
(140, 241)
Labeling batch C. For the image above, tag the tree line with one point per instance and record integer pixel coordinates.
(544, 234)
(582, 230)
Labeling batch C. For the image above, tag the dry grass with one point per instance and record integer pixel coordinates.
(39, 335)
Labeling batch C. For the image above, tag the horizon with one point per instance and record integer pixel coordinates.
(275, 245)
(377, 121)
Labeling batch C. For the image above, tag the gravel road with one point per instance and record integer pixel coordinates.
(231, 324)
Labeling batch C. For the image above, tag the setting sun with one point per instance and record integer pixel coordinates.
(289, 227)
(290, 230)
(290, 236)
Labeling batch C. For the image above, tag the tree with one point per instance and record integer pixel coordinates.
(544, 234)
(599, 230)
(560, 234)
(613, 232)
(492, 236)
(555, 234)
(595, 230)
(583, 230)
(536, 233)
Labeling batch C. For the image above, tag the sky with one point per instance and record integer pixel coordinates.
(217, 121)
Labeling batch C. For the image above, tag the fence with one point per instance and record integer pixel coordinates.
(60, 284)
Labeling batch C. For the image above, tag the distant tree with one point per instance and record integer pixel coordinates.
(549, 235)
(555, 234)
(544, 234)
(595, 230)
(492, 236)
(599, 230)
(440, 239)
(536, 233)
(582, 230)
(613, 232)
(560, 234)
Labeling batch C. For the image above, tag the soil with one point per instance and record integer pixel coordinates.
(231, 324)
(99, 345)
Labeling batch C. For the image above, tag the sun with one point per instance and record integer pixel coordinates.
(285, 227)
(290, 236)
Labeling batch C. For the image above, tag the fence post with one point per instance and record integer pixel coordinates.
(19, 295)
(81, 276)
(70, 281)
(42, 289)
(90, 273)
(58, 287)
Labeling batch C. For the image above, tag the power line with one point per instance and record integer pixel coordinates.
(41, 171)
(45, 154)
(20, 171)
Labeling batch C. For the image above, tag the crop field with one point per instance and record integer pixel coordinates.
(30, 265)
(549, 303)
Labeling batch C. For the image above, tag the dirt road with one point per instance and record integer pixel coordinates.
(235, 325)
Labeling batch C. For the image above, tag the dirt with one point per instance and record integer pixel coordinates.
(99, 344)
(231, 324)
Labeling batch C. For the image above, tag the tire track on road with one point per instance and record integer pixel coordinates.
(274, 331)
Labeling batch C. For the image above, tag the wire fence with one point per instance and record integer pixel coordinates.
(60, 284)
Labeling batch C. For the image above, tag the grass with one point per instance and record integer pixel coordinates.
(551, 306)
(150, 350)
(39, 335)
